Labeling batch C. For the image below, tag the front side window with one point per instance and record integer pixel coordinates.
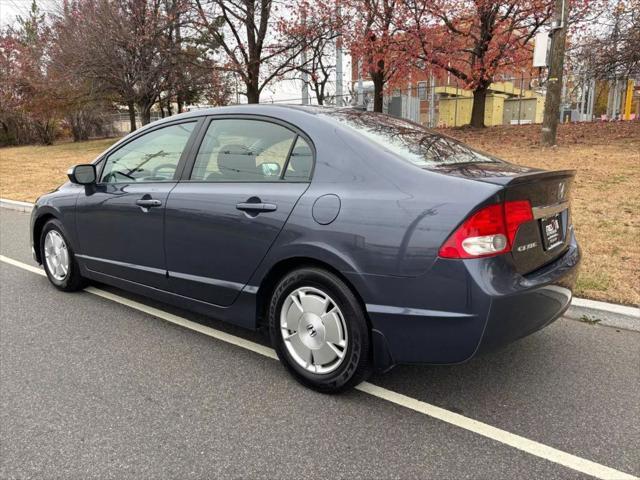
(152, 157)
(242, 150)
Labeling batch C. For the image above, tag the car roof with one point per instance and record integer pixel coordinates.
(256, 109)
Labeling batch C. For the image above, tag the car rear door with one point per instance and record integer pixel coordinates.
(222, 218)
(120, 220)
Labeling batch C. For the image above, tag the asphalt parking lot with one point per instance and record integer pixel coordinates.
(92, 388)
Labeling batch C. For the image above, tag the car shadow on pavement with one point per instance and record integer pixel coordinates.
(550, 366)
(549, 363)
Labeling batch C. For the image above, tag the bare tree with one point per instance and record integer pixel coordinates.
(122, 46)
(612, 49)
(247, 33)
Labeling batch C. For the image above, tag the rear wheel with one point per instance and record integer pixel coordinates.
(58, 258)
(319, 331)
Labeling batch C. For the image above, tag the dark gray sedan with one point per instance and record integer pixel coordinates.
(358, 240)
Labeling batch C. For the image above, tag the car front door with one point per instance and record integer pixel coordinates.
(120, 220)
(224, 216)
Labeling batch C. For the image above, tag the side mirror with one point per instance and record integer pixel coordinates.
(82, 174)
(269, 169)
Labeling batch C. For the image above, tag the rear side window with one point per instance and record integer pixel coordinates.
(152, 157)
(408, 140)
(244, 150)
(300, 162)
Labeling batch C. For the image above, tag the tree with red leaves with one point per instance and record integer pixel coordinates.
(475, 40)
(376, 41)
(28, 111)
(316, 27)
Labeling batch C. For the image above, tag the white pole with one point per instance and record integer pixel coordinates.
(360, 85)
(592, 99)
(303, 62)
(583, 99)
(339, 99)
(432, 102)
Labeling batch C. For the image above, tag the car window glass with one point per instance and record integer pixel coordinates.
(409, 141)
(241, 150)
(153, 157)
(300, 162)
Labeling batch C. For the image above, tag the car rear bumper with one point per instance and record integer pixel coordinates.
(491, 307)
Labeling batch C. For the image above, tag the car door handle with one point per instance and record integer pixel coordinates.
(148, 203)
(256, 207)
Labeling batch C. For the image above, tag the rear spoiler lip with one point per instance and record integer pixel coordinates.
(528, 177)
(543, 175)
(499, 173)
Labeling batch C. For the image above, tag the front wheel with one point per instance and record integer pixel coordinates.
(319, 330)
(58, 259)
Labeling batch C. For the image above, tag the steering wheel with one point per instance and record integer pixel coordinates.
(172, 166)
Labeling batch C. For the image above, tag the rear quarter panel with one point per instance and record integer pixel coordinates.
(393, 216)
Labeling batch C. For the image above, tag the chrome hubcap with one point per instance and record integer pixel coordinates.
(56, 255)
(314, 330)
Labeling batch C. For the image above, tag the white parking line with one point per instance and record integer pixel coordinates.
(516, 441)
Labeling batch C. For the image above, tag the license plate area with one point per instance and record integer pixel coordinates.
(552, 231)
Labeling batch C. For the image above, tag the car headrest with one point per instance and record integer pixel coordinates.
(237, 161)
(301, 162)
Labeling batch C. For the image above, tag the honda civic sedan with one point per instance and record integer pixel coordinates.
(357, 240)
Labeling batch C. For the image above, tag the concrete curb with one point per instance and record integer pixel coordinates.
(602, 313)
(15, 205)
(588, 311)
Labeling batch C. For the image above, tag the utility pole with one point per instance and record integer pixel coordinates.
(339, 100)
(556, 66)
(303, 62)
(360, 85)
(432, 100)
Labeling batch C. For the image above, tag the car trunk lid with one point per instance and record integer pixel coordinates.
(544, 238)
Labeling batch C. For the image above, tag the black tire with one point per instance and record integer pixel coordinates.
(73, 281)
(355, 367)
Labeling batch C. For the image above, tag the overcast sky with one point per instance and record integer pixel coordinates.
(10, 9)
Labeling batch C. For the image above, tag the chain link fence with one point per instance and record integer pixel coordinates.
(121, 123)
(446, 102)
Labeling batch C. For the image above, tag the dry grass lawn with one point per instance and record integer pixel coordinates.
(28, 172)
(606, 197)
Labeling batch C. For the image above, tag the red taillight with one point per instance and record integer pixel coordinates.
(489, 231)
(516, 213)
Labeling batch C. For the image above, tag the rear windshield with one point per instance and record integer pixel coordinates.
(409, 141)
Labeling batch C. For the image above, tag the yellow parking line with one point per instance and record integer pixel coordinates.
(516, 441)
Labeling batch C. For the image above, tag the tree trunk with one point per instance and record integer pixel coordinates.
(46, 131)
(132, 116)
(378, 90)
(145, 110)
(319, 90)
(253, 96)
(554, 83)
(479, 101)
